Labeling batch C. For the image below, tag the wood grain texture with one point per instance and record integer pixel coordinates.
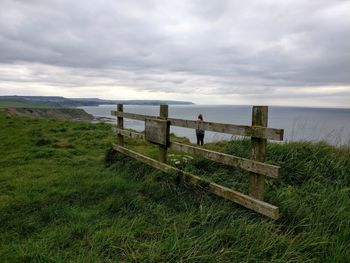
(242, 163)
(130, 134)
(224, 192)
(269, 170)
(157, 131)
(243, 130)
(258, 148)
(163, 149)
(139, 117)
(245, 200)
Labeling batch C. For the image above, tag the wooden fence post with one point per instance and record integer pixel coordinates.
(258, 148)
(163, 114)
(120, 125)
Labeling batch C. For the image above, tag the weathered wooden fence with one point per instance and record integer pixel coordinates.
(157, 130)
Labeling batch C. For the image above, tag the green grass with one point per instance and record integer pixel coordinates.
(19, 104)
(61, 201)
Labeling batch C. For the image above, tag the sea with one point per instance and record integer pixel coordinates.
(299, 123)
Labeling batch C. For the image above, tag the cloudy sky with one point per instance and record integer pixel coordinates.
(290, 52)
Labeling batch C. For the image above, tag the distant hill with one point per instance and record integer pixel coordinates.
(52, 113)
(55, 101)
(10, 103)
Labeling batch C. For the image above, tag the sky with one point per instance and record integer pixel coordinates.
(290, 52)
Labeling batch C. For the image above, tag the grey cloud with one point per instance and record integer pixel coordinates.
(225, 47)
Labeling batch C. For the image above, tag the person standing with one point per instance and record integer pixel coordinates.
(200, 132)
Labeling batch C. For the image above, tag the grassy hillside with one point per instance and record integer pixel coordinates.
(57, 101)
(52, 113)
(19, 104)
(66, 197)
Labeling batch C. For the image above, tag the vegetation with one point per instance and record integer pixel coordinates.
(19, 104)
(55, 113)
(55, 101)
(65, 196)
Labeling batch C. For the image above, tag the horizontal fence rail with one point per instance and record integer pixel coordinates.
(239, 162)
(227, 193)
(157, 131)
(130, 134)
(258, 132)
(134, 116)
(243, 130)
(227, 159)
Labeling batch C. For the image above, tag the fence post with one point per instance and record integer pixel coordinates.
(163, 114)
(258, 151)
(120, 125)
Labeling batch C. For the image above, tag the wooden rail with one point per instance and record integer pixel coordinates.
(227, 159)
(243, 130)
(130, 134)
(258, 132)
(157, 131)
(227, 193)
(139, 117)
(239, 162)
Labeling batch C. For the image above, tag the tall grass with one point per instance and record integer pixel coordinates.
(64, 197)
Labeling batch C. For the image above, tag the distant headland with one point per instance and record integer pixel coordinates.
(55, 101)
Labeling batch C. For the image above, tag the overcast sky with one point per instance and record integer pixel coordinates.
(286, 52)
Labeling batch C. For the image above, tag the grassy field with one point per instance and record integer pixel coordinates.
(19, 104)
(66, 197)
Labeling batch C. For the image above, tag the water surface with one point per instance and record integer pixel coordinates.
(299, 124)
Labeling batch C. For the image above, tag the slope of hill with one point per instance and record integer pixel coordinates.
(11, 103)
(66, 197)
(54, 113)
(54, 101)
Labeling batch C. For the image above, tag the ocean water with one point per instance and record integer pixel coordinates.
(299, 124)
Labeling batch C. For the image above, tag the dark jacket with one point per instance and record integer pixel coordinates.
(199, 131)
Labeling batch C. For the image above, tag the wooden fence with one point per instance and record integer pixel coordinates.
(157, 130)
